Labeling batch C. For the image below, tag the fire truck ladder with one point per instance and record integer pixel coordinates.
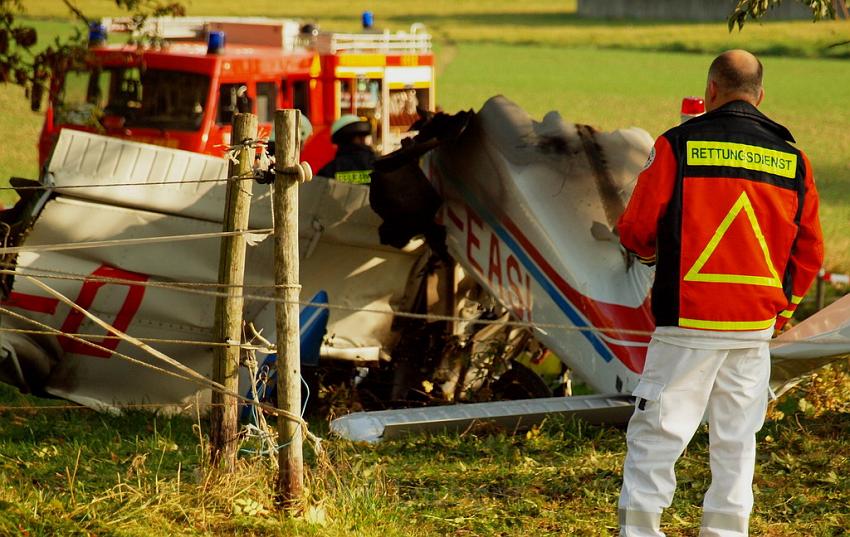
(414, 42)
(284, 33)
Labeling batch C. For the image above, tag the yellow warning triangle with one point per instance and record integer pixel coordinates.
(695, 275)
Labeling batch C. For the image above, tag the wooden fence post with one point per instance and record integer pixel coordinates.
(290, 484)
(228, 310)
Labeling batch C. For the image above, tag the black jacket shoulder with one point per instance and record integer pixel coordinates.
(733, 116)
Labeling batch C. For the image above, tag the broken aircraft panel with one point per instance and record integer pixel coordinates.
(339, 247)
(528, 208)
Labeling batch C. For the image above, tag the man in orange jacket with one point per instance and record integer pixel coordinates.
(726, 209)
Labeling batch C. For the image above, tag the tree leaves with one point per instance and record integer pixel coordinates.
(756, 9)
(22, 65)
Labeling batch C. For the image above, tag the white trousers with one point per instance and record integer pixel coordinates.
(676, 389)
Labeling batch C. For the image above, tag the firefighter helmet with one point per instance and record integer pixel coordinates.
(348, 126)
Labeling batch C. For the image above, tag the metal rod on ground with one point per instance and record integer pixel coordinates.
(290, 483)
(228, 309)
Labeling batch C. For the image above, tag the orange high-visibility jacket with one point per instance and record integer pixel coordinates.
(727, 209)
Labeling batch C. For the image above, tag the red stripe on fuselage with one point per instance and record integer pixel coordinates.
(454, 218)
(600, 314)
(36, 303)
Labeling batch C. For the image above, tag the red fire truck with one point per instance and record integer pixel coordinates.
(184, 92)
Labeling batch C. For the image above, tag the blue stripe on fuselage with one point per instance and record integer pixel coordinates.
(557, 297)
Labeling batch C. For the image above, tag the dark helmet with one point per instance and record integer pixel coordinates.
(349, 126)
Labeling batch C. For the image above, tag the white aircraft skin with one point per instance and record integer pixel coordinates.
(340, 253)
(519, 217)
(520, 202)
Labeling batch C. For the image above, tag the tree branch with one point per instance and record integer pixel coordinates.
(76, 11)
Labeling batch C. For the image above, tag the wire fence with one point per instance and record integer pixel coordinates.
(158, 182)
(202, 289)
(213, 290)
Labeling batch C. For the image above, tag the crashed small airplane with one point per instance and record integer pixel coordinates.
(524, 208)
(528, 209)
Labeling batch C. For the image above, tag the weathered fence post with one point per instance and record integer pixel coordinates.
(228, 310)
(290, 482)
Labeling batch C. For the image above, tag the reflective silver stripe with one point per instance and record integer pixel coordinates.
(640, 519)
(725, 521)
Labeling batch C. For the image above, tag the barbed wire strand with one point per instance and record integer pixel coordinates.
(130, 339)
(157, 182)
(93, 345)
(193, 378)
(127, 406)
(189, 374)
(76, 276)
(429, 317)
(188, 342)
(59, 247)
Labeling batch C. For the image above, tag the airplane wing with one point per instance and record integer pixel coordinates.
(174, 193)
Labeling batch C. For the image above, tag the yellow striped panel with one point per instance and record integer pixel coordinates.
(726, 325)
(362, 60)
(750, 157)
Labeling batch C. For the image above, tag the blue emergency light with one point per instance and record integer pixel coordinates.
(215, 42)
(97, 34)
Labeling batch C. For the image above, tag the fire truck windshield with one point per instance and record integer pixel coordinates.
(143, 98)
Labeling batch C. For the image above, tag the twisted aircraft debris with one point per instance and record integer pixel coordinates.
(525, 208)
(528, 209)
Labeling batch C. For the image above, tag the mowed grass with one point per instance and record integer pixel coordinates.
(75, 472)
(552, 22)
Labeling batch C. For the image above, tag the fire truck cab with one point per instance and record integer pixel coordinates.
(184, 92)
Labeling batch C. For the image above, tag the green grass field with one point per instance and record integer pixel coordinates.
(77, 473)
(81, 473)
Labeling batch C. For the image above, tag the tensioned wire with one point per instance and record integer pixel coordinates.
(188, 375)
(196, 289)
(158, 182)
(230, 150)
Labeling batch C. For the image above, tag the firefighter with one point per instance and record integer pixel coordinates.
(355, 158)
(726, 209)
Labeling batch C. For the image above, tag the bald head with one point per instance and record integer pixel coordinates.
(734, 75)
